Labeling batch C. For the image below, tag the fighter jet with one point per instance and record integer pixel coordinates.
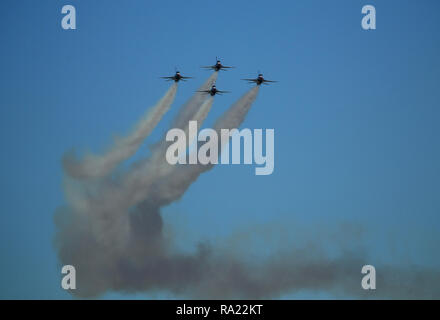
(177, 77)
(213, 91)
(259, 80)
(218, 66)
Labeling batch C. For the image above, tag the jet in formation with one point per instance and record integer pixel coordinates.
(213, 91)
(259, 80)
(217, 66)
(177, 77)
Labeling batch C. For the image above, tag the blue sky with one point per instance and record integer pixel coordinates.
(355, 116)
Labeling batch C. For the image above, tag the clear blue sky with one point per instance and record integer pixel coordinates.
(356, 117)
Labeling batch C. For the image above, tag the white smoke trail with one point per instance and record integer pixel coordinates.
(235, 115)
(95, 166)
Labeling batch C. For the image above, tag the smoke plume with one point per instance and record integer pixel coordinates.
(112, 231)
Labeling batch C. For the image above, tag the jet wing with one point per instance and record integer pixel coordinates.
(219, 91)
(252, 80)
(269, 80)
